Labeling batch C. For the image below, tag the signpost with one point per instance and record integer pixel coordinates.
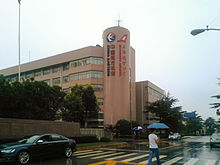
(190, 114)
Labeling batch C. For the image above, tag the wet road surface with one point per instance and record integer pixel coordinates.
(191, 151)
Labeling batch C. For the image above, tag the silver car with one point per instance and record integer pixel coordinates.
(174, 136)
(215, 139)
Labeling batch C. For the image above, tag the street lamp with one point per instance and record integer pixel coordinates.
(19, 41)
(198, 31)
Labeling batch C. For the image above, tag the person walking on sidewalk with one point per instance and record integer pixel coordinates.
(153, 147)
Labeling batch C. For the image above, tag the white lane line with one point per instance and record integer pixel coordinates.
(102, 153)
(154, 159)
(104, 156)
(84, 153)
(138, 157)
(171, 161)
(122, 156)
(191, 161)
(211, 162)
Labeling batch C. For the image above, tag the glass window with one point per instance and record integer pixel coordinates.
(100, 101)
(29, 75)
(46, 71)
(47, 81)
(56, 81)
(56, 69)
(65, 66)
(97, 87)
(37, 73)
(65, 79)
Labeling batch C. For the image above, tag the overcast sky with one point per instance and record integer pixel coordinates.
(167, 54)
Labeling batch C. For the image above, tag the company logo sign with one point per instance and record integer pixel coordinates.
(110, 37)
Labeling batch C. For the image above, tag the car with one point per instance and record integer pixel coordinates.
(174, 136)
(37, 146)
(215, 139)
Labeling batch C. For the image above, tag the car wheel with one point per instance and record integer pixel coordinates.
(23, 157)
(68, 152)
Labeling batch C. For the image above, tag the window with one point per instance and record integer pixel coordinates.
(56, 69)
(100, 101)
(56, 81)
(65, 66)
(37, 73)
(97, 60)
(98, 87)
(29, 75)
(153, 92)
(47, 81)
(57, 138)
(97, 74)
(46, 71)
(65, 79)
(80, 62)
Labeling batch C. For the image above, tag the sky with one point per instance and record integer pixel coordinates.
(167, 54)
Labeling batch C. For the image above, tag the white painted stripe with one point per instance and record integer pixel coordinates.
(82, 151)
(154, 159)
(174, 160)
(104, 156)
(211, 162)
(191, 161)
(122, 156)
(85, 153)
(102, 153)
(135, 158)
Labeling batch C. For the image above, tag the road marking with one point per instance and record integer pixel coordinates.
(172, 161)
(122, 156)
(211, 162)
(154, 159)
(104, 156)
(112, 162)
(102, 153)
(191, 161)
(138, 157)
(84, 153)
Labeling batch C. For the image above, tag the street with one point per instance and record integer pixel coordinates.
(190, 151)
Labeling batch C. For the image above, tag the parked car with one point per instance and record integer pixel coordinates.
(174, 136)
(215, 139)
(37, 146)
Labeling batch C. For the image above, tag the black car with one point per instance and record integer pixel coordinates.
(37, 146)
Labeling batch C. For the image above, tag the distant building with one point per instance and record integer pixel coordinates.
(146, 92)
(110, 69)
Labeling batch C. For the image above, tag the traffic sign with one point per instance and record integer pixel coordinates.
(190, 114)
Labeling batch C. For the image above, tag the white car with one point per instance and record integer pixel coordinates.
(215, 139)
(174, 136)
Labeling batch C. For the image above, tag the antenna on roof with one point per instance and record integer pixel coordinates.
(119, 21)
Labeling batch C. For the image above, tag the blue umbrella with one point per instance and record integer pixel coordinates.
(138, 128)
(158, 126)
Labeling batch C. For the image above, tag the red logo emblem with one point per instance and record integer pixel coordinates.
(123, 38)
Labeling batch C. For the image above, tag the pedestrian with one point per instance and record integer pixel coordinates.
(153, 147)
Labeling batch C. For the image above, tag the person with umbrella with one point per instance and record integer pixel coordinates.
(153, 146)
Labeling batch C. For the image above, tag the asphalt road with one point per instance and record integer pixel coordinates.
(190, 151)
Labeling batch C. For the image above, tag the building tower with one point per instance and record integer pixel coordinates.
(119, 76)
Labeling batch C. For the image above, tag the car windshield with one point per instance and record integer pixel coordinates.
(29, 139)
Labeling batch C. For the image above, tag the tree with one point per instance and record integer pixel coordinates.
(80, 105)
(30, 100)
(123, 127)
(193, 125)
(168, 113)
(210, 125)
(217, 104)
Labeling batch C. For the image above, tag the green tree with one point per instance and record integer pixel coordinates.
(167, 112)
(193, 125)
(210, 125)
(216, 105)
(80, 105)
(123, 127)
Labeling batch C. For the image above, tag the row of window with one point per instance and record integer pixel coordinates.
(57, 68)
(153, 92)
(97, 87)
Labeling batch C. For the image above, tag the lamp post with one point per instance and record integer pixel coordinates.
(198, 31)
(19, 41)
